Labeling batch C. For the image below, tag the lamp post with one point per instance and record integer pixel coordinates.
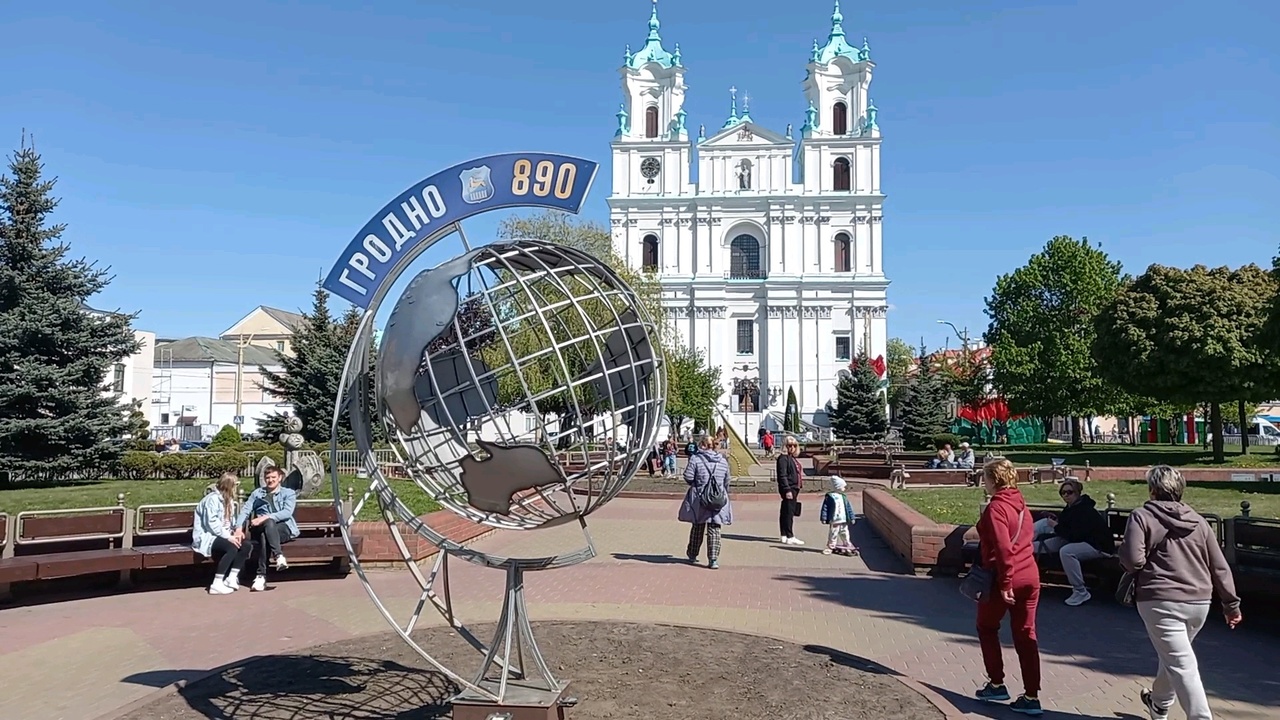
(963, 337)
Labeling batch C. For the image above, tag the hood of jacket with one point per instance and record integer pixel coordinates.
(1010, 498)
(1086, 502)
(1178, 519)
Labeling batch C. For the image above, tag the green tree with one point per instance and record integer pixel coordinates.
(692, 388)
(1042, 330)
(1190, 336)
(791, 418)
(227, 437)
(859, 412)
(139, 428)
(309, 378)
(923, 412)
(900, 363)
(57, 416)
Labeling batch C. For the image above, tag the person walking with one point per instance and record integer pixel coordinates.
(706, 503)
(790, 479)
(1005, 540)
(1177, 565)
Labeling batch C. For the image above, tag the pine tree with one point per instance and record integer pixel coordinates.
(791, 418)
(57, 419)
(310, 377)
(859, 412)
(924, 408)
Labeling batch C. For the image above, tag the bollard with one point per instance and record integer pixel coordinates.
(120, 499)
(1244, 508)
(351, 503)
(1111, 501)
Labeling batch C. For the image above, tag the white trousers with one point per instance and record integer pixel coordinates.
(1070, 554)
(838, 536)
(1172, 626)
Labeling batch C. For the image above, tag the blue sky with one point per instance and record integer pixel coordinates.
(219, 155)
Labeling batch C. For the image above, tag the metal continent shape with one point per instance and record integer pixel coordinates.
(371, 263)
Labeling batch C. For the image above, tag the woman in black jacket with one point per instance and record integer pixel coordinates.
(1079, 533)
(789, 482)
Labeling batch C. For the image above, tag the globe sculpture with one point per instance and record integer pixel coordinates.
(519, 385)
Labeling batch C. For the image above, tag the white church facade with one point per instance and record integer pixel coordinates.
(770, 258)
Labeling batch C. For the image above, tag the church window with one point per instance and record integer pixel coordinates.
(843, 253)
(746, 337)
(744, 259)
(843, 347)
(651, 121)
(840, 174)
(840, 119)
(649, 263)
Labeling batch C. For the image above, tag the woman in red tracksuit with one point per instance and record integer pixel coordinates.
(1006, 536)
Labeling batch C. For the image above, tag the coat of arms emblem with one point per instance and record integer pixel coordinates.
(476, 185)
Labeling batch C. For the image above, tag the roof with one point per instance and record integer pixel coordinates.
(653, 52)
(837, 46)
(290, 320)
(210, 350)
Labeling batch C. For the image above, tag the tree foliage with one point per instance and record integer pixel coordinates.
(923, 412)
(1042, 331)
(859, 413)
(227, 437)
(791, 418)
(310, 377)
(1190, 336)
(900, 363)
(57, 416)
(693, 387)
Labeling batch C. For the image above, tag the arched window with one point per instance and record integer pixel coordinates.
(649, 261)
(844, 255)
(651, 122)
(840, 119)
(744, 258)
(840, 179)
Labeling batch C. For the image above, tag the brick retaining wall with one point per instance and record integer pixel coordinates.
(929, 546)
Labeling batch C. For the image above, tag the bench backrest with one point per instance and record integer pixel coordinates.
(316, 520)
(89, 529)
(1257, 533)
(164, 525)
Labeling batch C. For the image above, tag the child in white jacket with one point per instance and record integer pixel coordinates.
(837, 515)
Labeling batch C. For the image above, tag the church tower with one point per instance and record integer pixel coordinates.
(651, 148)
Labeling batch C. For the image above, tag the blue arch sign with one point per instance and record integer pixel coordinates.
(495, 182)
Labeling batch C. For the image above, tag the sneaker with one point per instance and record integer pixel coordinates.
(220, 588)
(693, 559)
(1026, 706)
(281, 563)
(1154, 711)
(713, 565)
(795, 541)
(827, 551)
(1079, 597)
(993, 693)
(259, 584)
(784, 540)
(232, 581)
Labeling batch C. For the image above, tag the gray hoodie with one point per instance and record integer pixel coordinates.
(1176, 556)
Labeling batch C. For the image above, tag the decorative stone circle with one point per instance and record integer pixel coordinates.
(619, 671)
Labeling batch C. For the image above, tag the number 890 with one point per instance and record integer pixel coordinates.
(544, 179)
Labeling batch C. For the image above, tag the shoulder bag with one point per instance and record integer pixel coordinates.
(980, 582)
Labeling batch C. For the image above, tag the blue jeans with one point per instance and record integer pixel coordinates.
(669, 464)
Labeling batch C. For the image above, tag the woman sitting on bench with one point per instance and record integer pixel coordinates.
(1078, 534)
(212, 537)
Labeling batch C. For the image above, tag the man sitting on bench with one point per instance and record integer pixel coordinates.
(1079, 533)
(272, 524)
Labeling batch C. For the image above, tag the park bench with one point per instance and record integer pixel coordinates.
(56, 544)
(163, 536)
(1252, 546)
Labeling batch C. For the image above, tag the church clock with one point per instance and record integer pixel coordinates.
(649, 168)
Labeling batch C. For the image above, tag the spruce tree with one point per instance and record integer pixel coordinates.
(924, 408)
(57, 417)
(859, 412)
(791, 419)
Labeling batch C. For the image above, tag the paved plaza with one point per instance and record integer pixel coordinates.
(83, 659)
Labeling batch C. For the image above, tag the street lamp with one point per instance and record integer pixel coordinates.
(962, 337)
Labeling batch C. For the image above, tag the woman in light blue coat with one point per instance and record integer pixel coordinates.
(213, 535)
(706, 468)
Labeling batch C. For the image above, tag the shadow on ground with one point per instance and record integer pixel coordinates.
(976, 708)
(1100, 636)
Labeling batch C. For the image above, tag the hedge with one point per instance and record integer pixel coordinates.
(138, 465)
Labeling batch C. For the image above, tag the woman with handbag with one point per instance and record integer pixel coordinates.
(790, 480)
(1011, 582)
(1175, 565)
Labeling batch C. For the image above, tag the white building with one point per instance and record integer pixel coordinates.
(769, 258)
(194, 387)
(130, 378)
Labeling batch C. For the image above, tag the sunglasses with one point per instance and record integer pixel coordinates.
(1066, 493)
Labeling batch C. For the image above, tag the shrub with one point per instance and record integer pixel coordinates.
(228, 438)
(181, 466)
(141, 445)
(945, 438)
(215, 464)
(138, 465)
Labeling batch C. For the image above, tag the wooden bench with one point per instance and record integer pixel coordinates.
(163, 536)
(70, 543)
(12, 569)
(1253, 546)
(1104, 572)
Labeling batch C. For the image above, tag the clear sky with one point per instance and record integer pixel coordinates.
(219, 155)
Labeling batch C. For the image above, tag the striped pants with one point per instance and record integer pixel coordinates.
(712, 533)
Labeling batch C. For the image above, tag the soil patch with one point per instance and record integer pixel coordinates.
(618, 671)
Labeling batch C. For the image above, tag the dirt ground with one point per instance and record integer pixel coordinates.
(617, 671)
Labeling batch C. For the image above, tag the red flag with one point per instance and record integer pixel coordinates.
(878, 365)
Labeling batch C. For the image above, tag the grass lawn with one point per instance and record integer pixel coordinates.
(1135, 456)
(160, 492)
(960, 506)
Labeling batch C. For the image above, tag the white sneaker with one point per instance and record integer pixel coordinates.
(281, 563)
(1079, 597)
(784, 540)
(259, 584)
(795, 541)
(232, 581)
(220, 588)
(826, 551)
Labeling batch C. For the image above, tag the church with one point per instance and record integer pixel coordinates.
(769, 257)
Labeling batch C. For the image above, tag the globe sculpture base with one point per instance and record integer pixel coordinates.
(521, 702)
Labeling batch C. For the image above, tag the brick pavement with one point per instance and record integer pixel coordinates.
(79, 659)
